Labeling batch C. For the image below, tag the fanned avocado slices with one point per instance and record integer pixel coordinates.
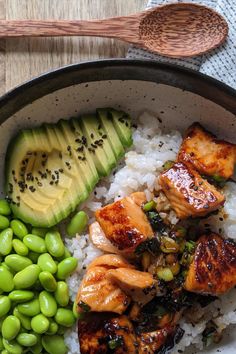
(50, 170)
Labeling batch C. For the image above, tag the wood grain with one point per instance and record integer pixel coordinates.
(26, 58)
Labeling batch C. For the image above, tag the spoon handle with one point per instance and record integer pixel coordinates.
(124, 28)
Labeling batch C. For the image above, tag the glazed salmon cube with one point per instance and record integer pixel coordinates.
(124, 224)
(208, 155)
(213, 269)
(188, 193)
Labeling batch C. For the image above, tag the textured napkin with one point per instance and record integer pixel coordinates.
(219, 63)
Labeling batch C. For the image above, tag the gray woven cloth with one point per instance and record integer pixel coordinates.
(221, 62)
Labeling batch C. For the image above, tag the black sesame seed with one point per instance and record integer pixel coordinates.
(51, 183)
(92, 135)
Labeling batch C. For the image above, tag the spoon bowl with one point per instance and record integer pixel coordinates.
(175, 30)
(182, 30)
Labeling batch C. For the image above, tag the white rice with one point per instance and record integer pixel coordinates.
(139, 171)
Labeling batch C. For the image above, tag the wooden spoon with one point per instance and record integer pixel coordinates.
(174, 30)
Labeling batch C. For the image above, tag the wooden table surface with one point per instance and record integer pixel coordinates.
(21, 59)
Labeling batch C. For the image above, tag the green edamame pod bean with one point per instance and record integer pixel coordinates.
(67, 253)
(48, 305)
(26, 339)
(37, 348)
(35, 243)
(12, 347)
(54, 244)
(19, 229)
(62, 294)
(33, 256)
(4, 207)
(6, 241)
(21, 295)
(65, 317)
(39, 231)
(10, 327)
(4, 265)
(26, 277)
(40, 324)
(48, 281)
(5, 305)
(54, 344)
(77, 224)
(6, 279)
(66, 267)
(17, 262)
(19, 247)
(4, 222)
(53, 328)
(24, 320)
(46, 263)
(30, 308)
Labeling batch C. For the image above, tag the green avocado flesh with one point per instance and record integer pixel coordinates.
(50, 170)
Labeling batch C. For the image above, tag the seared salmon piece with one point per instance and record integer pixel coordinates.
(151, 342)
(124, 224)
(188, 193)
(208, 155)
(140, 286)
(98, 238)
(213, 269)
(139, 198)
(110, 261)
(97, 293)
(101, 335)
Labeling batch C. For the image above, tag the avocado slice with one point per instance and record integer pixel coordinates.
(98, 144)
(50, 170)
(122, 124)
(111, 133)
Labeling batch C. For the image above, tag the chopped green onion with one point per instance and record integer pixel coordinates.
(149, 206)
(156, 221)
(168, 164)
(190, 246)
(116, 342)
(168, 245)
(219, 179)
(165, 274)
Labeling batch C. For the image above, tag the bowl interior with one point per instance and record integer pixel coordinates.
(174, 107)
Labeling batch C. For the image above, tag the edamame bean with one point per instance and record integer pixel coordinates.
(33, 256)
(77, 224)
(24, 320)
(4, 207)
(26, 339)
(66, 267)
(10, 327)
(54, 344)
(6, 279)
(35, 243)
(64, 317)
(75, 311)
(62, 294)
(54, 244)
(17, 262)
(19, 229)
(4, 265)
(48, 281)
(39, 231)
(26, 277)
(40, 324)
(48, 305)
(53, 328)
(30, 308)
(12, 347)
(5, 305)
(46, 263)
(19, 247)
(4, 222)
(6, 241)
(21, 295)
